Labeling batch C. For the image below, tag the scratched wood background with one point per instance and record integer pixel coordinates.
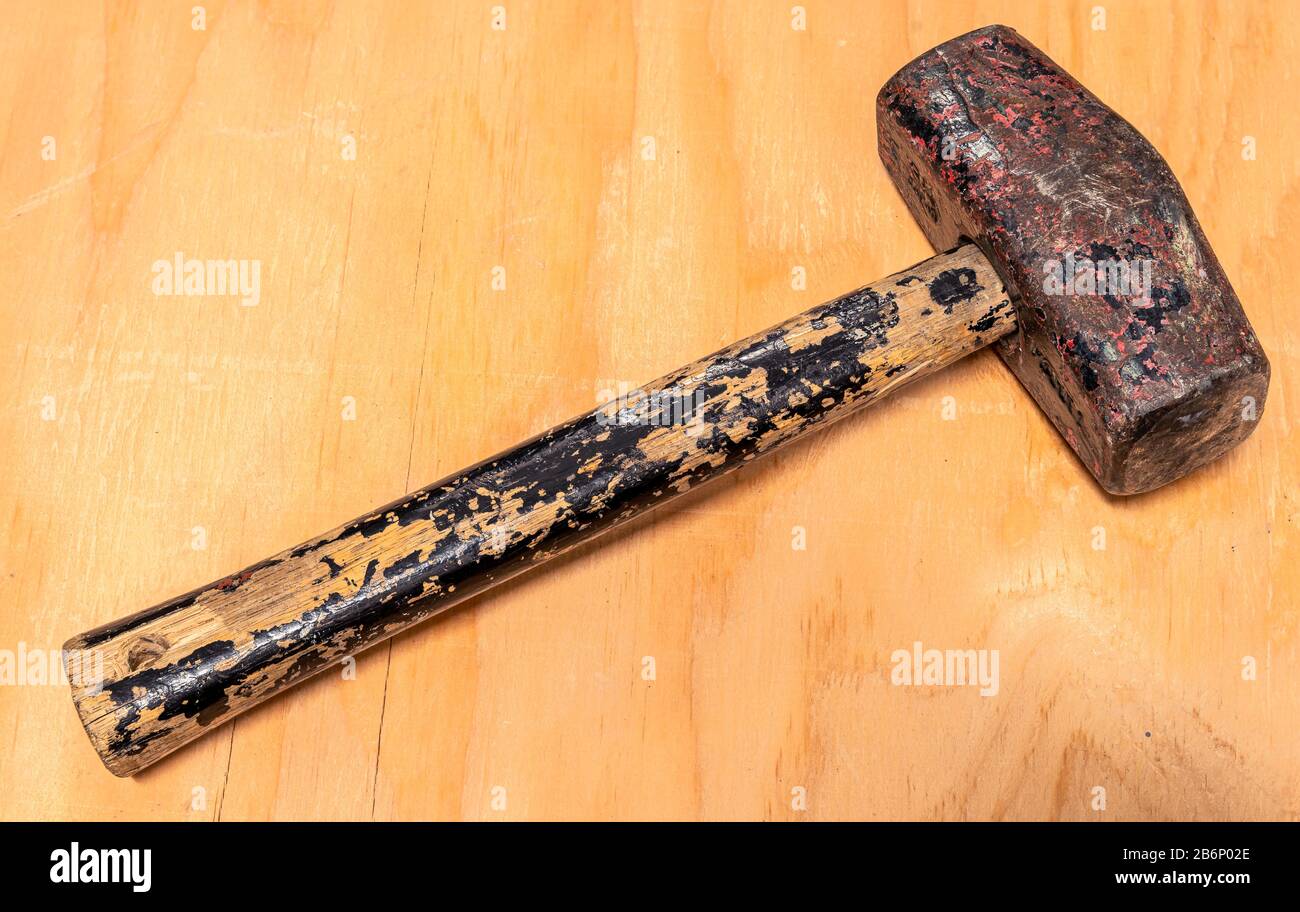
(151, 444)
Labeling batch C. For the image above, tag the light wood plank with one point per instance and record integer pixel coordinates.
(523, 149)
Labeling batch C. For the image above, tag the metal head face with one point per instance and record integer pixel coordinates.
(1130, 337)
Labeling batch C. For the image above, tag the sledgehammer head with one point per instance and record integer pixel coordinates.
(1130, 337)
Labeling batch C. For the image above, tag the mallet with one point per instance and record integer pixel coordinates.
(1071, 246)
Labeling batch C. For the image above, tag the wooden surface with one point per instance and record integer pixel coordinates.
(154, 443)
(164, 677)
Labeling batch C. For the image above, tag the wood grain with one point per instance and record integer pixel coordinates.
(147, 684)
(155, 442)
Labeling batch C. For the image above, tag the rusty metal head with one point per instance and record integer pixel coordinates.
(1130, 336)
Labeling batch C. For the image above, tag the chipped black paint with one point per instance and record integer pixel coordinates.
(990, 317)
(954, 286)
(339, 593)
(93, 638)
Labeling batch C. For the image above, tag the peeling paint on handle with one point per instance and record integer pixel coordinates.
(175, 671)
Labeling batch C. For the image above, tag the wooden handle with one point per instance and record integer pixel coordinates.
(151, 682)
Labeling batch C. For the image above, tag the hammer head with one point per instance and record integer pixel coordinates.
(1130, 337)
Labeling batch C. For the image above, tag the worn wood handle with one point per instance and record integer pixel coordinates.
(151, 682)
